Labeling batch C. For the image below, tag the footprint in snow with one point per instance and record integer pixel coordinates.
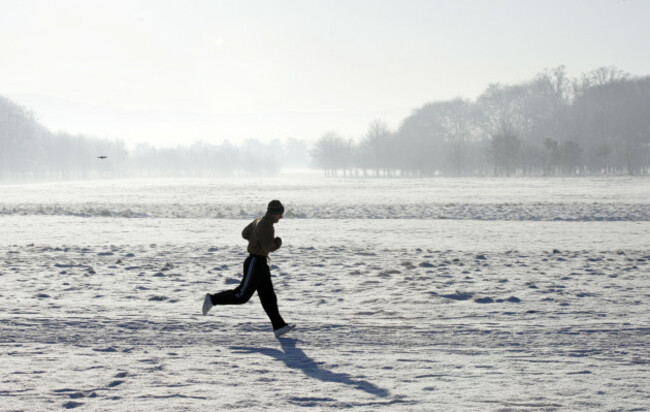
(458, 296)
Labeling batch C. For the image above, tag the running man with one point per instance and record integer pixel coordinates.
(257, 275)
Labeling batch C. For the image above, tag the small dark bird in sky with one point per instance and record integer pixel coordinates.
(102, 157)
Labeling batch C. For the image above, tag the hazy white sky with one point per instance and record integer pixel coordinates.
(175, 72)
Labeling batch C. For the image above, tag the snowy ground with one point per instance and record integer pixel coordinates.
(514, 310)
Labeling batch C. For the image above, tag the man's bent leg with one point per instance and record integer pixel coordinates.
(242, 293)
(269, 300)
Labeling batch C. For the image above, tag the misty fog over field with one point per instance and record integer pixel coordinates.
(551, 125)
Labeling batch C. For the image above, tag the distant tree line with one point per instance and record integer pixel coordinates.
(551, 125)
(30, 151)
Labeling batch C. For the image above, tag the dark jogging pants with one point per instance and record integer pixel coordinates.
(257, 277)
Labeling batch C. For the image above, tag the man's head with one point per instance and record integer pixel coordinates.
(275, 210)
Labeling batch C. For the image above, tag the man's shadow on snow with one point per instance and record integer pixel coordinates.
(295, 358)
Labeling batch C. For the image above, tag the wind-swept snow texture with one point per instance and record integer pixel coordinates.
(102, 310)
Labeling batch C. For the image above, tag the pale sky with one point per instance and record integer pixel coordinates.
(176, 72)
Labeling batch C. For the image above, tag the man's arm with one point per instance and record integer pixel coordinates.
(248, 231)
(266, 237)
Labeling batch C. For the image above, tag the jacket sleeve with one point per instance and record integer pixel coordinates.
(266, 236)
(248, 231)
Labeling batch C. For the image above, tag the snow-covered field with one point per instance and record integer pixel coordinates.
(414, 295)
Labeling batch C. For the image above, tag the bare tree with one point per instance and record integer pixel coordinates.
(374, 149)
(332, 152)
(458, 121)
(505, 149)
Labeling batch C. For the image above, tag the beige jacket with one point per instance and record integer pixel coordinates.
(261, 236)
